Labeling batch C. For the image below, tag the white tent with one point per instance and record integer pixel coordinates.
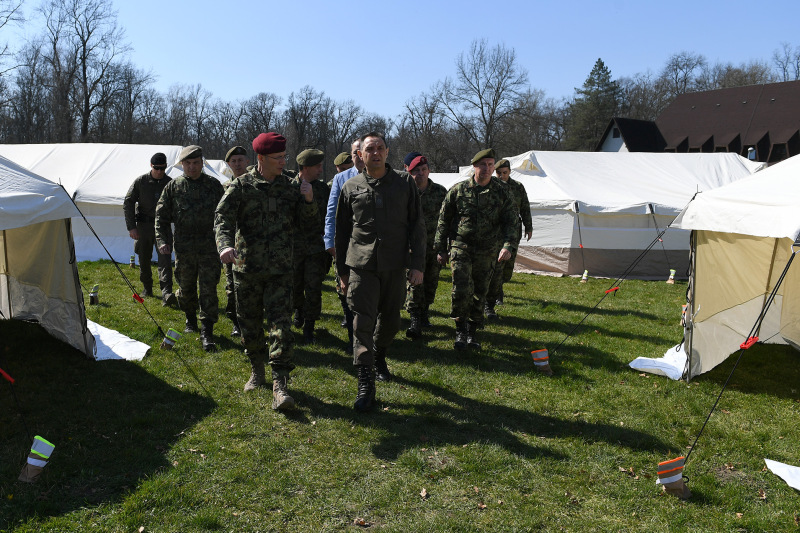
(613, 204)
(98, 177)
(38, 274)
(743, 237)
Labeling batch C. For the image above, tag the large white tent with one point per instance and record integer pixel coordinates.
(613, 204)
(38, 275)
(98, 177)
(743, 236)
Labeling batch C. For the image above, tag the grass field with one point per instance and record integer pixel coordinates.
(474, 441)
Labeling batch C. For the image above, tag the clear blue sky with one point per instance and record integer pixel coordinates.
(381, 54)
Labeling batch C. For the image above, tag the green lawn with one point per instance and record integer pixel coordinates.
(458, 442)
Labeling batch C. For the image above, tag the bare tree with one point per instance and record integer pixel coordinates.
(787, 62)
(486, 89)
(724, 75)
(681, 71)
(260, 115)
(304, 107)
(9, 14)
(644, 96)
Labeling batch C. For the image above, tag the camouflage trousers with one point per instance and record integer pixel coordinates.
(230, 305)
(144, 249)
(309, 273)
(258, 296)
(472, 272)
(502, 274)
(198, 269)
(421, 296)
(376, 299)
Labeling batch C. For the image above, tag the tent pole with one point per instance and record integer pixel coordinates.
(689, 318)
(8, 285)
(88, 350)
(769, 282)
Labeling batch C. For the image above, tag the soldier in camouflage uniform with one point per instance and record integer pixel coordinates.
(139, 207)
(189, 202)
(236, 158)
(420, 297)
(311, 261)
(254, 224)
(503, 271)
(476, 214)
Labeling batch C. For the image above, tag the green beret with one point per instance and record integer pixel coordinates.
(500, 163)
(343, 159)
(489, 152)
(236, 150)
(190, 152)
(310, 157)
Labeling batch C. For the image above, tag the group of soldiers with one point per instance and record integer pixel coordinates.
(277, 233)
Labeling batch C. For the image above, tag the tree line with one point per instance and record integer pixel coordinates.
(73, 82)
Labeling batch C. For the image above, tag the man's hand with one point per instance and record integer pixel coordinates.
(306, 191)
(228, 255)
(528, 235)
(415, 277)
(343, 281)
(505, 255)
(165, 249)
(134, 234)
(331, 251)
(442, 258)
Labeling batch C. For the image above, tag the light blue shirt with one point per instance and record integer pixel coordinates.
(333, 202)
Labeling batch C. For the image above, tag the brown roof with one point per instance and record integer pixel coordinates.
(750, 112)
(639, 135)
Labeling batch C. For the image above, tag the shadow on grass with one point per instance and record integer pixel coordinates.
(111, 422)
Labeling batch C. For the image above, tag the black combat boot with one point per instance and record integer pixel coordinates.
(366, 389)
(499, 300)
(461, 335)
(297, 321)
(381, 368)
(425, 319)
(472, 336)
(308, 332)
(488, 310)
(414, 330)
(207, 335)
(235, 332)
(191, 324)
(146, 292)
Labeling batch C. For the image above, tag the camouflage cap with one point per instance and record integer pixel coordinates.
(236, 150)
(501, 163)
(343, 159)
(310, 157)
(483, 154)
(190, 152)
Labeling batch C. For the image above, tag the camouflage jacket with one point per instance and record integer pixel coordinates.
(258, 220)
(378, 222)
(309, 240)
(477, 218)
(189, 205)
(139, 205)
(520, 197)
(432, 198)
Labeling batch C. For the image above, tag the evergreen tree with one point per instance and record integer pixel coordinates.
(594, 105)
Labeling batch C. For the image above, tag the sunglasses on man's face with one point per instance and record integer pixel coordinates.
(159, 167)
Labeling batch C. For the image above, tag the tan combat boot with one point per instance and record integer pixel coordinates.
(257, 377)
(280, 396)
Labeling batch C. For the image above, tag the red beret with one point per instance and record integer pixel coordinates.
(417, 161)
(269, 143)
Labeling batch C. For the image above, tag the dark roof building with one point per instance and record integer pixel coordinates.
(631, 135)
(764, 117)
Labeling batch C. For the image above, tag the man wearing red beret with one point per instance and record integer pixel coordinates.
(255, 222)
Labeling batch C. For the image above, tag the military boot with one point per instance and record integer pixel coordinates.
(207, 335)
(425, 319)
(366, 389)
(488, 311)
(381, 368)
(146, 292)
(461, 335)
(297, 321)
(169, 300)
(414, 330)
(499, 300)
(191, 323)
(257, 376)
(472, 336)
(308, 332)
(235, 332)
(280, 396)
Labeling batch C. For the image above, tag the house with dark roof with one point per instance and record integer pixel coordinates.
(631, 135)
(761, 122)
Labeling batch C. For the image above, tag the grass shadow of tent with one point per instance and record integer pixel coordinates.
(112, 424)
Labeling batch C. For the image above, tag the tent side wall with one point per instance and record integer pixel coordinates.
(39, 282)
(733, 277)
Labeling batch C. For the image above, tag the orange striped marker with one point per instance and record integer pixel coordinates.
(670, 475)
(541, 360)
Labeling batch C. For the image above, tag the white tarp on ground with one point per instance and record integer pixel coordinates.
(790, 474)
(743, 239)
(612, 203)
(97, 176)
(113, 345)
